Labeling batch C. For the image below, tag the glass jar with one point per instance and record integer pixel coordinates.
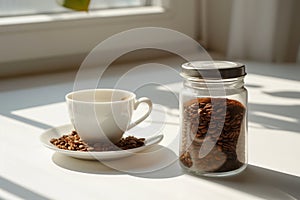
(213, 117)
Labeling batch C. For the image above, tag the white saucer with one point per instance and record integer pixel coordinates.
(107, 155)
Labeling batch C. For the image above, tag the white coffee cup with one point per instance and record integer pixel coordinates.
(101, 115)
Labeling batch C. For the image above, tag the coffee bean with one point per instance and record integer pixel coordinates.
(224, 129)
(185, 159)
(73, 142)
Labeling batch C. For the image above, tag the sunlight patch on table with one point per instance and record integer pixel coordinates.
(52, 114)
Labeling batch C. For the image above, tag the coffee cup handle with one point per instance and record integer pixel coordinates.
(142, 118)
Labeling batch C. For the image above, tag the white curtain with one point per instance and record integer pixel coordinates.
(264, 30)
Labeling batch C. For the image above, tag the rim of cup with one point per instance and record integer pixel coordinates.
(69, 98)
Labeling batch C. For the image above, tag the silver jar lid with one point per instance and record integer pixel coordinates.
(213, 70)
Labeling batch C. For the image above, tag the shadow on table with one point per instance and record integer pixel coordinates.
(283, 117)
(18, 190)
(156, 162)
(256, 181)
(285, 94)
(263, 183)
(289, 71)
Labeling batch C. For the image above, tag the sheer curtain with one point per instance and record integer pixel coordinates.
(265, 30)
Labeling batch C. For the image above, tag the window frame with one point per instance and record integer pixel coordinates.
(44, 36)
(11, 8)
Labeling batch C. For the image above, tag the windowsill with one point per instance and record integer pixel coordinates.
(41, 18)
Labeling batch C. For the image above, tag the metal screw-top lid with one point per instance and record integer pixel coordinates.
(213, 70)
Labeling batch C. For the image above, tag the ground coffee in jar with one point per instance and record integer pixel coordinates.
(213, 106)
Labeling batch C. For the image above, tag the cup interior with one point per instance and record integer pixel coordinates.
(100, 96)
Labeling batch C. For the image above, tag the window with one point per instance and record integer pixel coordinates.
(31, 7)
(59, 34)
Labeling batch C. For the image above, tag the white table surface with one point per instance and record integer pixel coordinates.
(28, 170)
